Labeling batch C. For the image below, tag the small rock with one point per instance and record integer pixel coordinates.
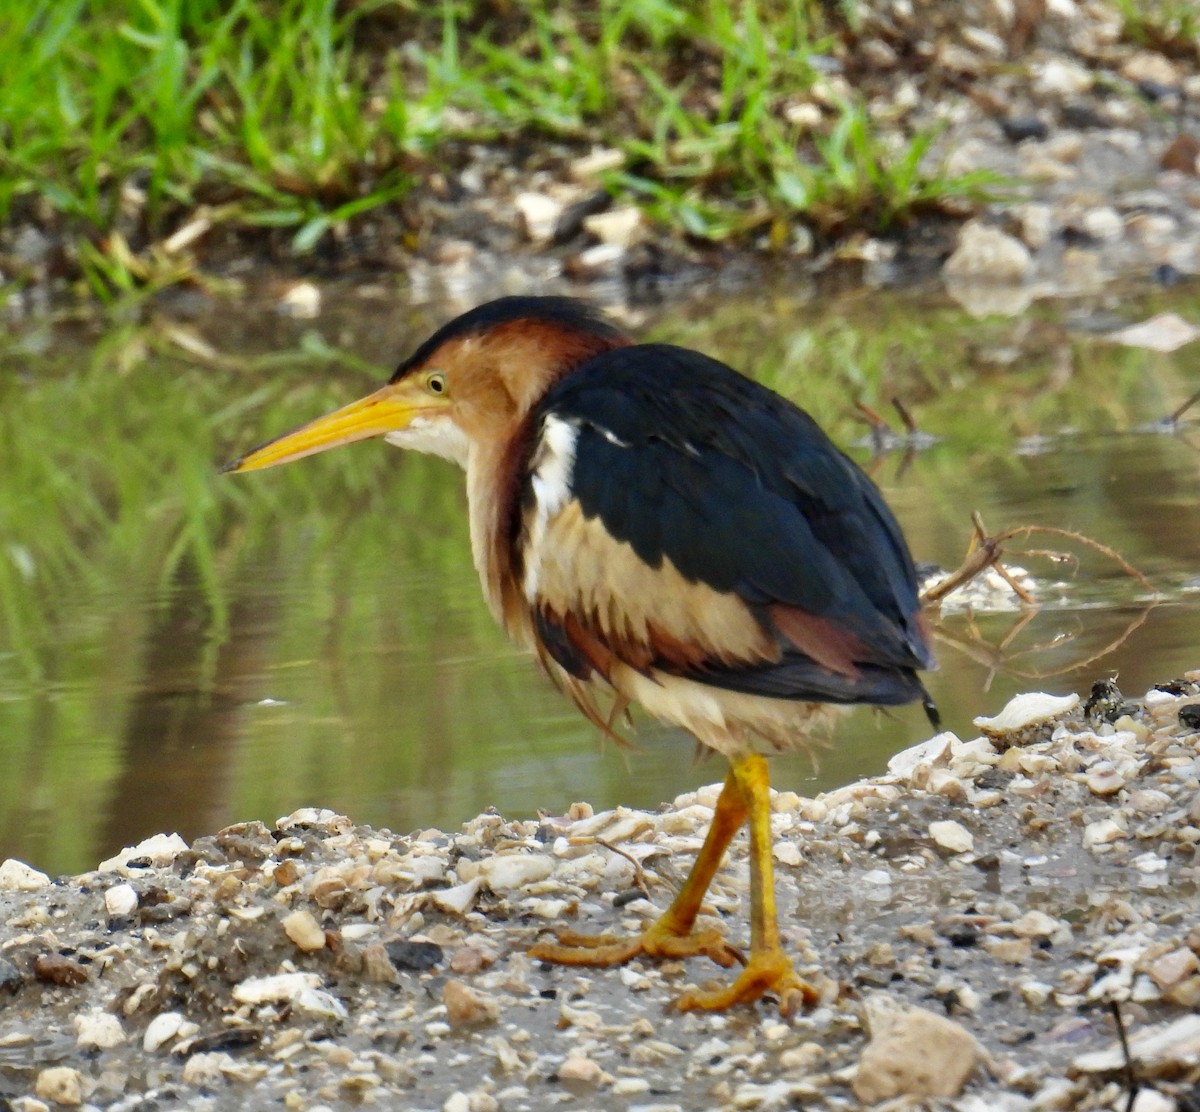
(98, 1030)
(61, 1084)
(206, 1069)
(1056, 77)
(1035, 924)
(952, 836)
(121, 901)
(912, 1052)
(459, 899)
(581, 1070)
(53, 969)
(466, 1006)
(1036, 224)
(414, 956)
(514, 871)
(622, 226)
(159, 850)
(1102, 832)
(986, 254)
(1173, 967)
(278, 988)
(598, 162)
(1103, 779)
(302, 301)
(539, 214)
(1150, 66)
(304, 930)
(1183, 154)
(1103, 223)
(16, 876)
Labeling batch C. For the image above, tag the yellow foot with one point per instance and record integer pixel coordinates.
(768, 971)
(656, 941)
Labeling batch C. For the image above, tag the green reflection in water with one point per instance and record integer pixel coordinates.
(180, 650)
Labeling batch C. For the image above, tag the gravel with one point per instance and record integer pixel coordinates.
(971, 920)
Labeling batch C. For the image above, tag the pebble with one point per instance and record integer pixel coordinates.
(952, 836)
(1102, 832)
(158, 850)
(304, 930)
(60, 1084)
(539, 213)
(466, 1006)
(16, 876)
(912, 1052)
(121, 901)
(621, 226)
(581, 1070)
(97, 1030)
(986, 254)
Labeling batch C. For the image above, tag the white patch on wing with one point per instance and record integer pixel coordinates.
(435, 436)
(550, 475)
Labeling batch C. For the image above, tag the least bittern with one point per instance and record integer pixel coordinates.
(660, 530)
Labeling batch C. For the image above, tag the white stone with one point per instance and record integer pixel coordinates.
(161, 849)
(514, 871)
(952, 836)
(620, 226)
(98, 1030)
(459, 899)
(1103, 223)
(539, 213)
(206, 1068)
(986, 254)
(1030, 709)
(1035, 924)
(275, 989)
(1059, 78)
(16, 876)
(121, 901)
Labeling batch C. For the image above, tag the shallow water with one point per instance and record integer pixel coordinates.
(180, 650)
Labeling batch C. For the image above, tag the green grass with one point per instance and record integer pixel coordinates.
(1171, 25)
(123, 121)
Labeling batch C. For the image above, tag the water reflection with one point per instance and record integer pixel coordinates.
(181, 650)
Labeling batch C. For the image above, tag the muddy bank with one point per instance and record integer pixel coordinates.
(1010, 885)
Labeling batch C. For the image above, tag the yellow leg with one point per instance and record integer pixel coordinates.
(746, 794)
(671, 934)
(768, 969)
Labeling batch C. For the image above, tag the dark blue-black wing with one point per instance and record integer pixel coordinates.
(684, 460)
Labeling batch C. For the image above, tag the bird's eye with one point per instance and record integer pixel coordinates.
(435, 382)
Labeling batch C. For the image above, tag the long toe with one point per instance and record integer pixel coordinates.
(656, 941)
(768, 972)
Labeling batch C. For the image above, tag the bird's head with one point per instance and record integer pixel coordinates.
(470, 384)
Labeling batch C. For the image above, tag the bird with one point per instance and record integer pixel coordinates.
(660, 530)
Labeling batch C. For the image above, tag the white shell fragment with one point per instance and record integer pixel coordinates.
(162, 1029)
(1156, 1050)
(98, 1030)
(304, 930)
(276, 989)
(1023, 711)
(514, 871)
(159, 850)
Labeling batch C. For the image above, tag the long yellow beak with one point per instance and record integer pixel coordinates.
(387, 410)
